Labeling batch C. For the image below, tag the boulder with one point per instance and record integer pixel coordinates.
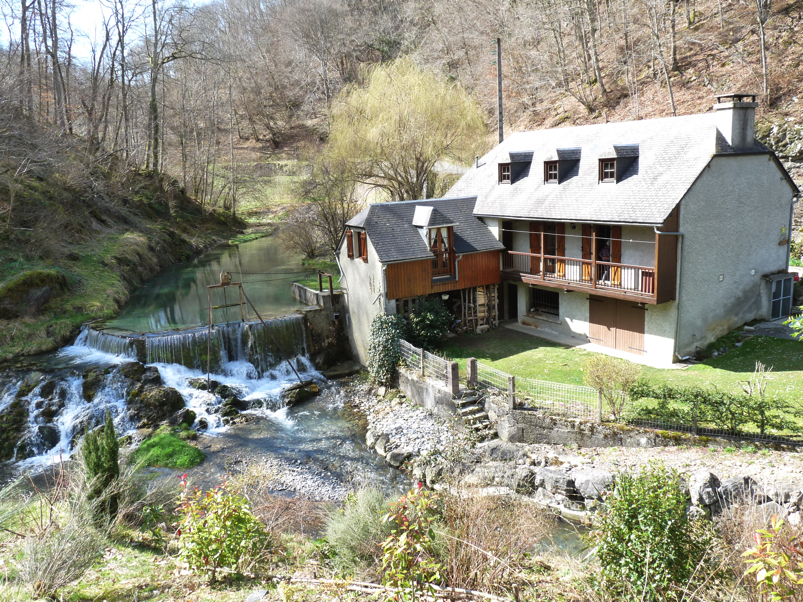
(224, 391)
(237, 403)
(770, 509)
(555, 481)
(26, 293)
(381, 444)
(132, 370)
(703, 487)
(201, 384)
(298, 395)
(51, 410)
(433, 474)
(49, 435)
(521, 479)
(592, 483)
(203, 424)
(36, 299)
(151, 377)
(780, 493)
(183, 416)
(47, 390)
(795, 519)
(737, 489)
(370, 438)
(93, 377)
(500, 450)
(397, 457)
(155, 404)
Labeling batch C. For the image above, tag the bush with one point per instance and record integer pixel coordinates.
(384, 352)
(356, 531)
(778, 567)
(429, 323)
(100, 456)
(164, 449)
(645, 538)
(613, 378)
(218, 532)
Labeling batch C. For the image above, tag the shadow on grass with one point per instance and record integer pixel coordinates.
(495, 345)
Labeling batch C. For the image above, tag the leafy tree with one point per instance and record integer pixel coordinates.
(613, 378)
(429, 323)
(394, 130)
(100, 454)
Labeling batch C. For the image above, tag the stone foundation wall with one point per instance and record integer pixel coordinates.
(428, 394)
(327, 340)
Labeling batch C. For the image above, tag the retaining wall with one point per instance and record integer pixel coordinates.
(429, 394)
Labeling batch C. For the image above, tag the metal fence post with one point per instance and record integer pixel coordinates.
(471, 370)
(599, 406)
(694, 415)
(453, 377)
(511, 392)
(421, 355)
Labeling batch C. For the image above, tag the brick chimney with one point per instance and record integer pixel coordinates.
(735, 117)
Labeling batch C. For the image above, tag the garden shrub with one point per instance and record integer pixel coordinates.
(777, 565)
(644, 537)
(384, 351)
(613, 378)
(219, 532)
(429, 323)
(100, 455)
(356, 531)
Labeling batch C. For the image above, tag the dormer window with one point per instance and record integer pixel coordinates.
(505, 172)
(607, 170)
(441, 241)
(550, 172)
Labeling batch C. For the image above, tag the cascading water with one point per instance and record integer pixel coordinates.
(107, 343)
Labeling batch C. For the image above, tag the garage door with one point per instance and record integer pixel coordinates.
(617, 324)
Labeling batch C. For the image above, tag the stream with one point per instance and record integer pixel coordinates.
(318, 442)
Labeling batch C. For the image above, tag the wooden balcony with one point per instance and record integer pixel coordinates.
(607, 279)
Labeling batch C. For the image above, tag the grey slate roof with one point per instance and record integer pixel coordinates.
(671, 154)
(390, 228)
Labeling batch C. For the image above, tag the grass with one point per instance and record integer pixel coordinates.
(166, 450)
(528, 356)
(311, 281)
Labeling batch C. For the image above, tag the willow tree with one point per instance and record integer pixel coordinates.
(392, 131)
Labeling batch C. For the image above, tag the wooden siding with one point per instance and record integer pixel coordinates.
(414, 278)
(666, 259)
(617, 324)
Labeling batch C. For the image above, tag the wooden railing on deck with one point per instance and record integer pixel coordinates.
(585, 272)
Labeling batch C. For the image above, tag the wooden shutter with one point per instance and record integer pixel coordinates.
(363, 247)
(616, 255)
(560, 248)
(535, 247)
(587, 252)
(350, 244)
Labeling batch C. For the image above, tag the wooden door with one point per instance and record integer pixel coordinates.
(602, 321)
(630, 327)
(512, 293)
(616, 324)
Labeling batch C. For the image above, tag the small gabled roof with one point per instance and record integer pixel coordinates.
(394, 236)
(663, 159)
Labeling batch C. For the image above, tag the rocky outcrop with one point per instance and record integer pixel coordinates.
(29, 292)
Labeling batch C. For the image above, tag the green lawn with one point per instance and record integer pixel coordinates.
(528, 356)
(329, 267)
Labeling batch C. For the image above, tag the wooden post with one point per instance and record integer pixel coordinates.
(511, 392)
(599, 407)
(471, 373)
(320, 281)
(331, 292)
(593, 257)
(421, 351)
(242, 308)
(453, 378)
(694, 417)
(543, 265)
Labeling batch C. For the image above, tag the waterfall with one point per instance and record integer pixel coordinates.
(107, 343)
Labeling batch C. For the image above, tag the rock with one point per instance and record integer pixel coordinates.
(703, 487)
(237, 403)
(28, 292)
(794, 519)
(380, 392)
(433, 474)
(544, 498)
(381, 444)
(183, 416)
(737, 489)
(201, 384)
(779, 493)
(298, 395)
(555, 481)
(203, 424)
(51, 410)
(397, 457)
(696, 513)
(225, 391)
(132, 370)
(501, 450)
(155, 404)
(370, 438)
(50, 435)
(151, 377)
(521, 479)
(48, 389)
(93, 377)
(257, 595)
(591, 483)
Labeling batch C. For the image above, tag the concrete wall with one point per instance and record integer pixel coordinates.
(733, 219)
(363, 291)
(327, 341)
(323, 299)
(428, 394)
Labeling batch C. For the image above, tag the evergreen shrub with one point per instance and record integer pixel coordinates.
(429, 323)
(384, 351)
(100, 454)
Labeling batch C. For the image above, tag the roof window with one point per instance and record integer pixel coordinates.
(550, 172)
(607, 170)
(505, 173)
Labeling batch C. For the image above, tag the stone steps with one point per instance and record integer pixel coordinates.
(470, 410)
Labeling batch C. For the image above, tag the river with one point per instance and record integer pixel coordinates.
(319, 436)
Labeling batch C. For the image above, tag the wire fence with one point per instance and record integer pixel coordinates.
(427, 364)
(559, 399)
(491, 377)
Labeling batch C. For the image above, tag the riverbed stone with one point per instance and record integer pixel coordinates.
(370, 438)
(397, 457)
(703, 487)
(770, 509)
(133, 370)
(184, 416)
(93, 377)
(381, 445)
(151, 377)
(49, 435)
(520, 479)
(737, 489)
(592, 483)
(48, 389)
(155, 404)
(298, 395)
(795, 518)
(555, 481)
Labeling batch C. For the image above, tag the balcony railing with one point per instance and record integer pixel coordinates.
(584, 273)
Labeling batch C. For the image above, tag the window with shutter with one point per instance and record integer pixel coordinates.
(363, 247)
(350, 244)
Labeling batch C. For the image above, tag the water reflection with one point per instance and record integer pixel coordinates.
(177, 298)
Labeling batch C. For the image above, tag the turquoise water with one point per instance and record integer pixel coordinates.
(177, 299)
